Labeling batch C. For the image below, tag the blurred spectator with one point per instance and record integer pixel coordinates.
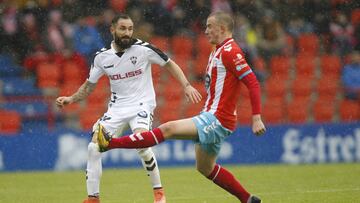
(58, 34)
(297, 26)
(144, 31)
(155, 13)
(71, 10)
(221, 5)
(357, 37)
(196, 13)
(271, 36)
(351, 77)
(104, 25)
(342, 33)
(248, 8)
(86, 39)
(30, 37)
(245, 36)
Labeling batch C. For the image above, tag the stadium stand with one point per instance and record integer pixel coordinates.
(10, 122)
(306, 73)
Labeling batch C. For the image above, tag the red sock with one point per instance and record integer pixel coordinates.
(138, 140)
(223, 178)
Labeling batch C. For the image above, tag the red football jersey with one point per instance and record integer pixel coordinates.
(225, 69)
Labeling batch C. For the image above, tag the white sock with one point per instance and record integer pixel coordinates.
(93, 170)
(150, 165)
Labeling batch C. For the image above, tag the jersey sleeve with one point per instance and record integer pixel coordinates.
(156, 56)
(234, 61)
(96, 71)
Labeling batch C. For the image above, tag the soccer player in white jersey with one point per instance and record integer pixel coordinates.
(227, 68)
(128, 65)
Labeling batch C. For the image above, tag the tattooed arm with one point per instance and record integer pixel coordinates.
(85, 89)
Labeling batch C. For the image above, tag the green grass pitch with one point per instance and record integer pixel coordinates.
(328, 183)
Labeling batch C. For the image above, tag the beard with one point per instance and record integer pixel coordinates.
(123, 42)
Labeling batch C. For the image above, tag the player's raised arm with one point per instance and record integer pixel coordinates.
(190, 92)
(84, 90)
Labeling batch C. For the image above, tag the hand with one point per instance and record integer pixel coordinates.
(62, 101)
(258, 126)
(192, 94)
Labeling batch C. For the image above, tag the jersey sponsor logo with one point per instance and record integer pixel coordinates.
(109, 66)
(143, 114)
(125, 75)
(133, 59)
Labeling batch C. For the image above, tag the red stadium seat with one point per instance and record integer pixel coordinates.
(199, 65)
(244, 114)
(280, 65)
(273, 111)
(173, 92)
(48, 75)
(183, 63)
(182, 46)
(305, 65)
(275, 87)
(297, 111)
(323, 111)
(10, 122)
(100, 95)
(330, 65)
(192, 110)
(244, 110)
(328, 87)
(302, 86)
(355, 17)
(71, 73)
(349, 111)
(160, 42)
(168, 111)
(89, 116)
(203, 46)
(308, 44)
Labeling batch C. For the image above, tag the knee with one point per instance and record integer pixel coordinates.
(204, 170)
(168, 128)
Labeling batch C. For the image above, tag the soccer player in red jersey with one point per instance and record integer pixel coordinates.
(226, 69)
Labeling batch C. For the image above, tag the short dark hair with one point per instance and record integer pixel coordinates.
(118, 17)
(224, 19)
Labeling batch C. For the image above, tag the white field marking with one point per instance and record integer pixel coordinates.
(211, 197)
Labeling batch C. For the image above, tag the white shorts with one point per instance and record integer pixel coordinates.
(118, 120)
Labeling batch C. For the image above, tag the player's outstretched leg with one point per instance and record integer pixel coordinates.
(133, 141)
(223, 178)
(150, 164)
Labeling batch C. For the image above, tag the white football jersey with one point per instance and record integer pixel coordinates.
(129, 73)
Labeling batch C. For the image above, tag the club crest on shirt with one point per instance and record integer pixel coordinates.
(133, 59)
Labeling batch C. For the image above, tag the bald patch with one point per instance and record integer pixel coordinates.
(225, 19)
